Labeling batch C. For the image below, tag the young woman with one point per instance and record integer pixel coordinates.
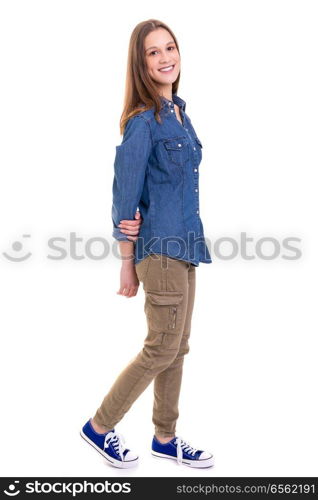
(157, 170)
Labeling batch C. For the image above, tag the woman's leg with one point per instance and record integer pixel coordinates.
(166, 309)
(167, 384)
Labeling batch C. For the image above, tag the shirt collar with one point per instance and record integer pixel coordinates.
(175, 100)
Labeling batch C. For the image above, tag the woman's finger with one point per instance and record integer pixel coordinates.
(128, 225)
(131, 232)
(128, 222)
(132, 292)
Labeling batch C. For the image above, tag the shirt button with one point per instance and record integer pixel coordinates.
(194, 148)
(195, 169)
(197, 211)
(171, 110)
(196, 190)
(186, 129)
(179, 145)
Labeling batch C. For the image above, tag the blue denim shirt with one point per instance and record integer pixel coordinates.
(157, 170)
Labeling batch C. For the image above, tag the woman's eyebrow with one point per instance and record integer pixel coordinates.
(172, 41)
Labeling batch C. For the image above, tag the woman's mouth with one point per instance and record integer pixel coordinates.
(167, 69)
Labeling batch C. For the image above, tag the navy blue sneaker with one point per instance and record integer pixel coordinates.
(179, 450)
(110, 445)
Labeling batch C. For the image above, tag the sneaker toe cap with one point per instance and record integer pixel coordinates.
(204, 455)
(130, 455)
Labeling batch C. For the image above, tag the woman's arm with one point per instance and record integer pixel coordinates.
(130, 167)
(129, 177)
(129, 282)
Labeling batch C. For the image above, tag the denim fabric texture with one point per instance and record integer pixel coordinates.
(156, 169)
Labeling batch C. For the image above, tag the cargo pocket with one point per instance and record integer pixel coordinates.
(177, 150)
(163, 310)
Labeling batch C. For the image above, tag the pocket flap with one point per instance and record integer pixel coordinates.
(199, 142)
(176, 144)
(165, 298)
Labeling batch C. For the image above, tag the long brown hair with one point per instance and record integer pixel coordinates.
(141, 92)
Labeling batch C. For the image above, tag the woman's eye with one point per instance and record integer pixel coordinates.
(157, 51)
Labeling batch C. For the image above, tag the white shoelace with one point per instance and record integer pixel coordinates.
(183, 445)
(118, 440)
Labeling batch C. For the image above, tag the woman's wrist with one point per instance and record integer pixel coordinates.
(128, 261)
(127, 253)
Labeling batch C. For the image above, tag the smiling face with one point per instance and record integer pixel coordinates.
(161, 53)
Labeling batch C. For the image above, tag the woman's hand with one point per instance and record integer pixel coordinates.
(129, 282)
(131, 227)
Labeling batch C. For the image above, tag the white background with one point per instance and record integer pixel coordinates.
(249, 78)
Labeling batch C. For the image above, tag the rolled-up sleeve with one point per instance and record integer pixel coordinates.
(130, 168)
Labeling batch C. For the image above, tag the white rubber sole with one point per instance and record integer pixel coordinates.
(116, 463)
(198, 464)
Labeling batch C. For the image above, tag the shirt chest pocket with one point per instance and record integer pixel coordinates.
(176, 151)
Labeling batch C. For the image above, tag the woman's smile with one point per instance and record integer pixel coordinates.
(167, 69)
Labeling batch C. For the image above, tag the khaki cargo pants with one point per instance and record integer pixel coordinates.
(169, 286)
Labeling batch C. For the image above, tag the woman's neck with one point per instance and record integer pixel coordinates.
(166, 92)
